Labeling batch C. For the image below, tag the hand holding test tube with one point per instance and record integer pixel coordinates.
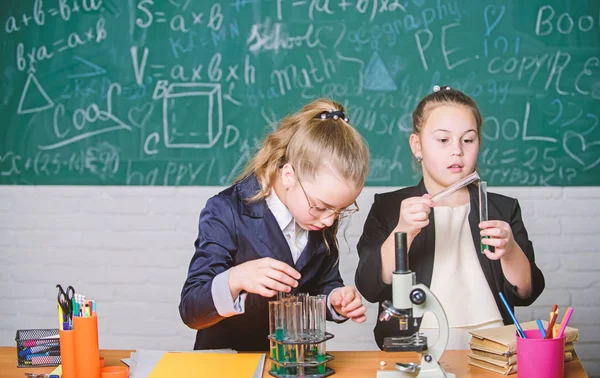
(483, 202)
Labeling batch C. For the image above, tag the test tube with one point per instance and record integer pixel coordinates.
(281, 296)
(310, 351)
(456, 186)
(291, 321)
(310, 326)
(320, 315)
(483, 209)
(298, 309)
(320, 319)
(273, 314)
(272, 332)
(303, 298)
(276, 313)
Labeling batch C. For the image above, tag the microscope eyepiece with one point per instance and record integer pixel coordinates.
(401, 253)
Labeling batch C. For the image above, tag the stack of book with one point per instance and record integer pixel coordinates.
(495, 348)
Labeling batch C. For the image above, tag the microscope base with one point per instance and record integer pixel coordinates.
(427, 369)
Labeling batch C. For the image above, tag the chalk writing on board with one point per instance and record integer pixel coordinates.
(79, 126)
(548, 21)
(23, 108)
(180, 92)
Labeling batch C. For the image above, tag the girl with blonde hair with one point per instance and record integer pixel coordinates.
(274, 231)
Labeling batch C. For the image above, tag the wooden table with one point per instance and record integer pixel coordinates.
(345, 364)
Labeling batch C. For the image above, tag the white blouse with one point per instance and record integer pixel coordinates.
(458, 281)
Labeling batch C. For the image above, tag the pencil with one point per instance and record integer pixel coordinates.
(514, 318)
(554, 330)
(541, 328)
(565, 321)
(551, 325)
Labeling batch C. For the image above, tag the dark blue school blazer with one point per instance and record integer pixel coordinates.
(232, 231)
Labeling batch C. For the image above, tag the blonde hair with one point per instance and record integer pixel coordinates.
(308, 142)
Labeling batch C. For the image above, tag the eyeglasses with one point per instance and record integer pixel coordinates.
(320, 212)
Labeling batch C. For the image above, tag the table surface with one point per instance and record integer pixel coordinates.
(345, 364)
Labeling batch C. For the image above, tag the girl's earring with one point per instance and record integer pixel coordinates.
(419, 159)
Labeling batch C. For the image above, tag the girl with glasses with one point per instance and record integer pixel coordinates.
(275, 229)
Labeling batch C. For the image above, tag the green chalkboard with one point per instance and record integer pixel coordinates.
(178, 92)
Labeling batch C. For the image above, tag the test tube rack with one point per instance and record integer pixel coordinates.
(314, 364)
(297, 336)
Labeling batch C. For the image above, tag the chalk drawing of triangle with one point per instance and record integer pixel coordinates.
(377, 76)
(27, 101)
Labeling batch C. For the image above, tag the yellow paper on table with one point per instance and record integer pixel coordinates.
(189, 365)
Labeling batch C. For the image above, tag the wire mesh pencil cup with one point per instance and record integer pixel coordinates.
(297, 336)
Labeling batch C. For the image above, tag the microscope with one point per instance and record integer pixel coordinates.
(410, 301)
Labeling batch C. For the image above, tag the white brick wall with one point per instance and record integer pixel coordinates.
(129, 248)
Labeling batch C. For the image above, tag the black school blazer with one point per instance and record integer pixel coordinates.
(384, 216)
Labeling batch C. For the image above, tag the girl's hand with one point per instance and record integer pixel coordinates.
(347, 302)
(414, 215)
(264, 277)
(499, 234)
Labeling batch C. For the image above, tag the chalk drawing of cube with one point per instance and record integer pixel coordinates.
(192, 115)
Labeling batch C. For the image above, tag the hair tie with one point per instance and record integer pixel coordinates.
(437, 88)
(335, 114)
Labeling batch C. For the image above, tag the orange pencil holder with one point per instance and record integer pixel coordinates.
(87, 353)
(67, 353)
(114, 372)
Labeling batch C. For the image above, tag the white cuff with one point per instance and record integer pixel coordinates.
(224, 303)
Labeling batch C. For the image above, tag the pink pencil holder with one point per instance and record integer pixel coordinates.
(540, 358)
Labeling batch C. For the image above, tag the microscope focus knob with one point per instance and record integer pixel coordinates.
(417, 296)
(385, 316)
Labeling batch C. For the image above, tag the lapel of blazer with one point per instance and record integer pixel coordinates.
(314, 246)
(486, 264)
(263, 224)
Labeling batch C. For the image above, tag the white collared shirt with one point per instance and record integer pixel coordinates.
(295, 236)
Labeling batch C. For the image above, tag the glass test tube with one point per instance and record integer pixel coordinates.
(303, 298)
(320, 315)
(291, 332)
(282, 296)
(299, 348)
(279, 325)
(483, 209)
(273, 315)
(310, 352)
(320, 325)
(456, 186)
